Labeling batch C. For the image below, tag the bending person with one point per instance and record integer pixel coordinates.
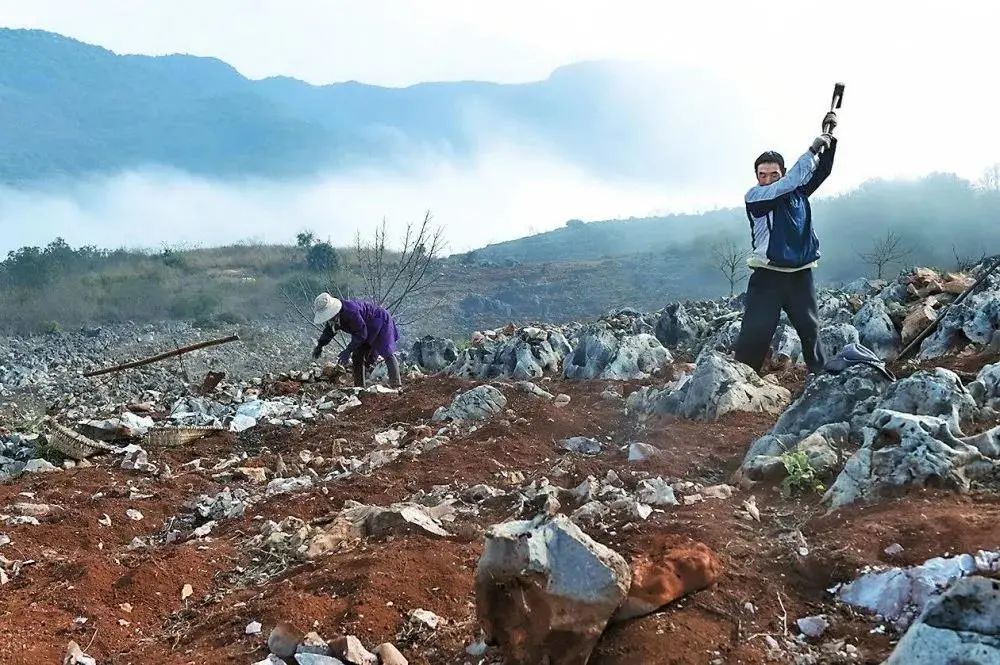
(372, 329)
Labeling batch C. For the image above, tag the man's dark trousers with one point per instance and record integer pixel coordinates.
(768, 292)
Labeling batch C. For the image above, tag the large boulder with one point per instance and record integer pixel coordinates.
(986, 388)
(545, 591)
(434, 353)
(600, 354)
(718, 386)
(894, 293)
(903, 451)
(935, 392)
(834, 309)
(595, 348)
(677, 329)
(833, 398)
(823, 450)
(664, 577)
(834, 337)
(528, 353)
(917, 318)
(480, 403)
(876, 329)
(900, 595)
(724, 339)
(786, 347)
(960, 627)
(986, 320)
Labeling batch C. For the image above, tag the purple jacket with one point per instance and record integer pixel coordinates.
(371, 327)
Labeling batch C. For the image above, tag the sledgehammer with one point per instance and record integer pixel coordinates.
(838, 98)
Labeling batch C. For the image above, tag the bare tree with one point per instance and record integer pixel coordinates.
(885, 252)
(990, 181)
(966, 262)
(730, 259)
(399, 280)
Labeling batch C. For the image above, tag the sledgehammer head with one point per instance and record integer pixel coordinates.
(838, 96)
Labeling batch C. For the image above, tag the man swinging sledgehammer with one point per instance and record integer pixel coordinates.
(785, 249)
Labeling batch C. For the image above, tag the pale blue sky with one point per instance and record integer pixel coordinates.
(921, 95)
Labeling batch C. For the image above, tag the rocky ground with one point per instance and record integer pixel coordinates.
(737, 519)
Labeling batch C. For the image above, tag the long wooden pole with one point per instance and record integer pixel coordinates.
(164, 356)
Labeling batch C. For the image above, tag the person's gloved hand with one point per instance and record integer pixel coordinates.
(822, 142)
(829, 122)
(317, 352)
(344, 357)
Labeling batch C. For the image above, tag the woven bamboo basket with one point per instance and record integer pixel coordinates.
(75, 445)
(169, 437)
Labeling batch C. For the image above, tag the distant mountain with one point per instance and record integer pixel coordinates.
(936, 217)
(69, 109)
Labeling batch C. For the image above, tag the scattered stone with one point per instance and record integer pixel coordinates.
(227, 504)
(477, 648)
(39, 466)
(657, 581)
(921, 316)
(283, 640)
(186, 592)
(350, 650)
(401, 519)
(718, 492)
(133, 514)
(582, 445)
(533, 389)
(313, 643)
(656, 492)
(33, 509)
(813, 626)
(389, 655)
(255, 474)
(76, 656)
(286, 485)
(316, 659)
(480, 403)
(253, 628)
(546, 590)
(425, 618)
(561, 400)
(271, 660)
(640, 452)
(203, 530)
(893, 550)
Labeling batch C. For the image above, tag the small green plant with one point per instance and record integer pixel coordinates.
(51, 327)
(801, 476)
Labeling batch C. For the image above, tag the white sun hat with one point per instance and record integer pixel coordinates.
(325, 307)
